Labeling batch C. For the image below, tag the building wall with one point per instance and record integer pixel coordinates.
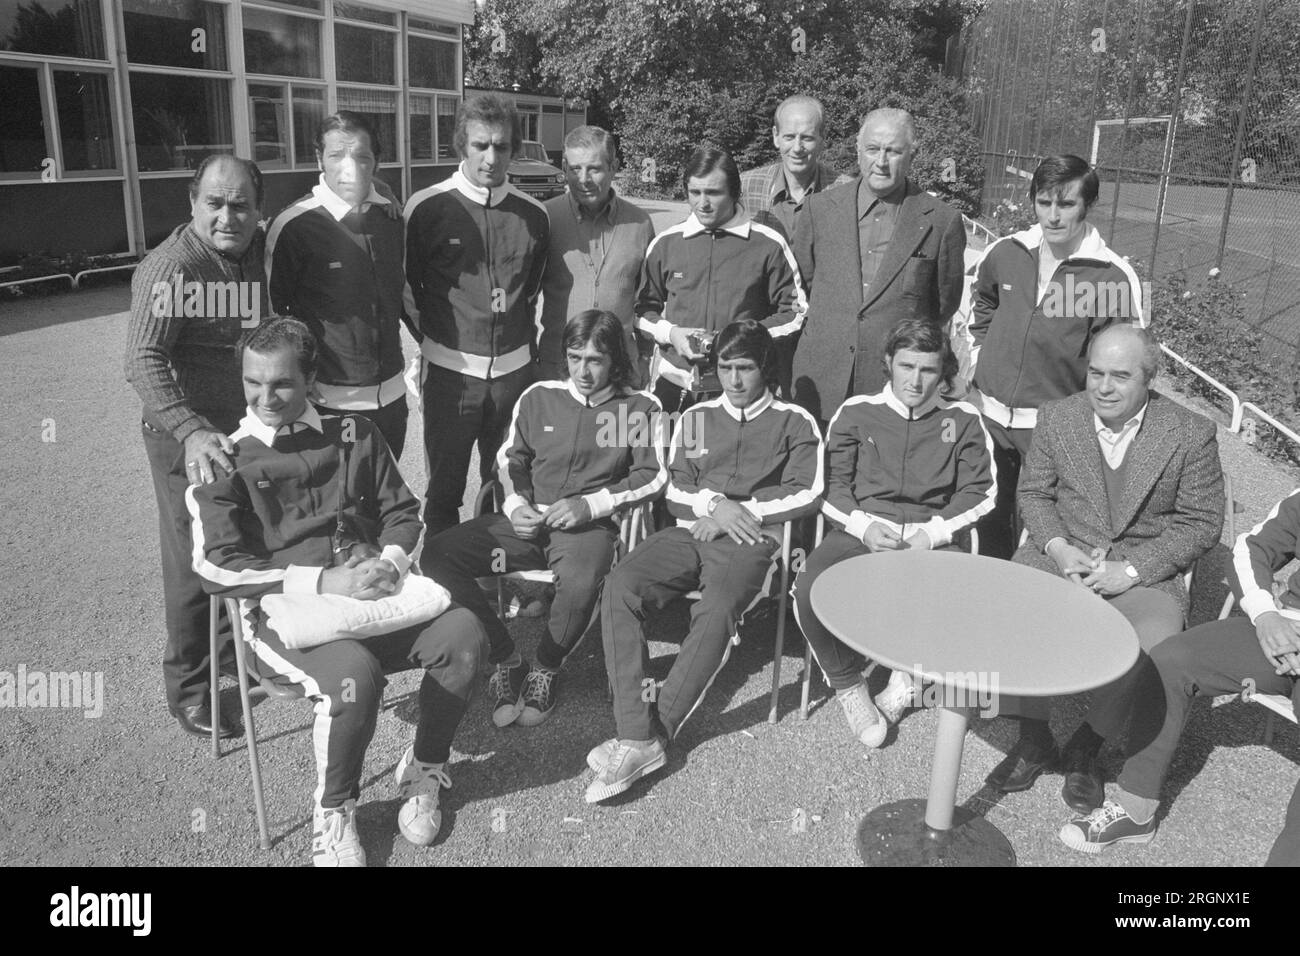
(110, 105)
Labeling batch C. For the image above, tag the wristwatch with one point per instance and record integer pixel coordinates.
(713, 504)
(1131, 571)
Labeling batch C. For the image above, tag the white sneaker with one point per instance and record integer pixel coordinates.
(599, 755)
(896, 697)
(420, 786)
(334, 839)
(864, 720)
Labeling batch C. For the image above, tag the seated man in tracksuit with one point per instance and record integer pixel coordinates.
(577, 451)
(475, 254)
(740, 465)
(1260, 651)
(334, 260)
(715, 268)
(905, 469)
(306, 488)
(1039, 298)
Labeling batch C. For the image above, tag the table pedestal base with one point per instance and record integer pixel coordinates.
(896, 834)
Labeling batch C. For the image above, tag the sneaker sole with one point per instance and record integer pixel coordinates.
(597, 791)
(505, 714)
(1075, 839)
(531, 716)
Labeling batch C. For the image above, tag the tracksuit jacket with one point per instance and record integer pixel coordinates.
(1023, 357)
(610, 452)
(1262, 551)
(767, 457)
(930, 468)
(699, 278)
(341, 273)
(269, 527)
(474, 263)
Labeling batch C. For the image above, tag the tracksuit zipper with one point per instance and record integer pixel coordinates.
(902, 470)
(492, 280)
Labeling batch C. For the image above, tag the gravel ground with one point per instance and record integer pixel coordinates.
(80, 581)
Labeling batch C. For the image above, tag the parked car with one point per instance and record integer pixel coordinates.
(531, 172)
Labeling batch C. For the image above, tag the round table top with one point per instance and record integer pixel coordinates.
(968, 621)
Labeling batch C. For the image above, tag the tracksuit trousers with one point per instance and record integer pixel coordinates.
(841, 664)
(666, 566)
(185, 659)
(346, 681)
(461, 411)
(1211, 659)
(1000, 528)
(488, 545)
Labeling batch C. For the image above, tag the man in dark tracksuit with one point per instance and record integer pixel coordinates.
(740, 466)
(475, 253)
(334, 260)
(1261, 650)
(578, 450)
(273, 526)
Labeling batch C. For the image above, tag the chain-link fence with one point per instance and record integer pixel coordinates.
(1189, 110)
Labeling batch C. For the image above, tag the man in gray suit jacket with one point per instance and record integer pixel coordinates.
(871, 251)
(1122, 492)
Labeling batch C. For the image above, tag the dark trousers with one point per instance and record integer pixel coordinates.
(841, 664)
(1000, 529)
(459, 412)
(488, 545)
(1155, 616)
(1214, 658)
(1286, 848)
(346, 681)
(185, 659)
(390, 420)
(667, 565)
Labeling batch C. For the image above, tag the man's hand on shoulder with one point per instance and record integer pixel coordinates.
(205, 452)
(393, 209)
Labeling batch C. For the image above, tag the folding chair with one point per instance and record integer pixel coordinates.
(808, 654)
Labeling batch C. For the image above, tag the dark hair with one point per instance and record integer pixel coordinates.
(346, 121)
(490, 109)
(605, 331)
(704, 161)
(921, 335)
(1056, 172)
(750, 339)
(282, 332)
(247, 165)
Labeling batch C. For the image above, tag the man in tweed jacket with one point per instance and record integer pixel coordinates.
(1122, 492)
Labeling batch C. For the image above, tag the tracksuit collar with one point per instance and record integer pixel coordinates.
(737, 225)
(484, 197)
(334, 204)
(599, 398)
(750, 411)
(267, 435)
(896, 403)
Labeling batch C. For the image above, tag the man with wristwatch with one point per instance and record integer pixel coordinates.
(1122, 492)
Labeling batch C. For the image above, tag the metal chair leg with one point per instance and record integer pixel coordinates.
(807, 681)
(214, 674)
(250, 730)
(781, 607)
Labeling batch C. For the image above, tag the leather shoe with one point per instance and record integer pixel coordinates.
(1084, 789)
(1021, 767)
(197, 720)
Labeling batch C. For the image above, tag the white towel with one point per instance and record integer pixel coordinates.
(306, 620)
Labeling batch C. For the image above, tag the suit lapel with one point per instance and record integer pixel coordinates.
(1152, 447)
(910, 230)
(1084, 453)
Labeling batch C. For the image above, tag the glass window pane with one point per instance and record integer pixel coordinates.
(433, 63)
(364, 56)
(304, 4)
(447, 128)
(85, 120)
(180, 121)
(280, 44)
(308, 111)
(162, 32)
(52, 27)
(421, 127)
(268, 123)
(381, 109)
(433, 26)
(22, 130)
(354, 11)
